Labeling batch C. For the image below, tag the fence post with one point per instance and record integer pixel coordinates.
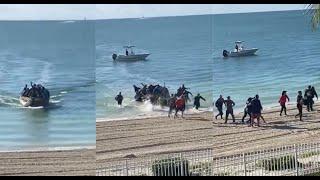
(245, 164)
(296, 159)
(182, 167)
(127, 168)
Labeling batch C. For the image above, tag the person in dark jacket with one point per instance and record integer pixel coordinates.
(256, 110)
(309, 94)
(247, 110)
(299, 105)
(197, 99)
(229, 105)
(219, 105)
(119, 99)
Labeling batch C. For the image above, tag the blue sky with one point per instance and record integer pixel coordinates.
(115, 11)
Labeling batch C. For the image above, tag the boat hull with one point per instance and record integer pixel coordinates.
(33, 102)
(245, 52)
(136, 57)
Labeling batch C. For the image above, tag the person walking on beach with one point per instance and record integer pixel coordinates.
(256, 110)
(247, 110)
(283, 100)
(229, 105)
(197, 99)
(309, 94)
(219, 105)
(172, 104)
(119, 99)
(299, 105)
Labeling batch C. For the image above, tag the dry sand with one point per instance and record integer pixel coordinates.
(48, 163)
(143, 137)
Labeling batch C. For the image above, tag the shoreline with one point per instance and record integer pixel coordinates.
(190, 111)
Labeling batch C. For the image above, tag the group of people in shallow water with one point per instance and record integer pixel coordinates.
(176, 101)
(36, 91)
(254, 107)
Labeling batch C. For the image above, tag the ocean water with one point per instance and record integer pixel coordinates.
(180, 50)
(287, 59)
(61, 57)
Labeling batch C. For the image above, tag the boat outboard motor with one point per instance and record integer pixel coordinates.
(225, 53)
(114, 56)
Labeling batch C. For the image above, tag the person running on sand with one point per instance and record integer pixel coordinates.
(299, 105)
(180, 106)
(172, 104)
(283, 100)
(197, 99)
(247, 110)
(309, 95)
(229, 104)
(256, 110)
(219, 105)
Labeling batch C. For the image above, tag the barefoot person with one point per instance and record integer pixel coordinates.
(229, 104)
(219, 105)
(283, 100)
(299, 105)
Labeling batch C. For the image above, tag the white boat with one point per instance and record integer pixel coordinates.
(240, 51)
(129, 56)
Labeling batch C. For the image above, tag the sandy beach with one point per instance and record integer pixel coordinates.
(48, 163)
(144, 137)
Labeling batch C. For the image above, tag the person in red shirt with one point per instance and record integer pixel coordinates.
(180, 106)
(283, 100)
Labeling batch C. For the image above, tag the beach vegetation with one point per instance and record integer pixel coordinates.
(171, 167)
(278, 164)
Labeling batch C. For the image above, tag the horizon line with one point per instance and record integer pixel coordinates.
(147, 17)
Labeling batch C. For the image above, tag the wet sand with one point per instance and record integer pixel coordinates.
(48, 163)
(144, 137)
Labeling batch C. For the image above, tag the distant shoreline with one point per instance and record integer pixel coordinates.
(155, 17)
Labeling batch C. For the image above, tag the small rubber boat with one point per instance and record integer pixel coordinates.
(33, 102)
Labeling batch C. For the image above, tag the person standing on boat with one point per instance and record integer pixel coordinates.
(229, 104)
(197, 99)
(237, 48)
(119, 99)
(219, 105)
(283, 100)
(299, 105)
(127, 52)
